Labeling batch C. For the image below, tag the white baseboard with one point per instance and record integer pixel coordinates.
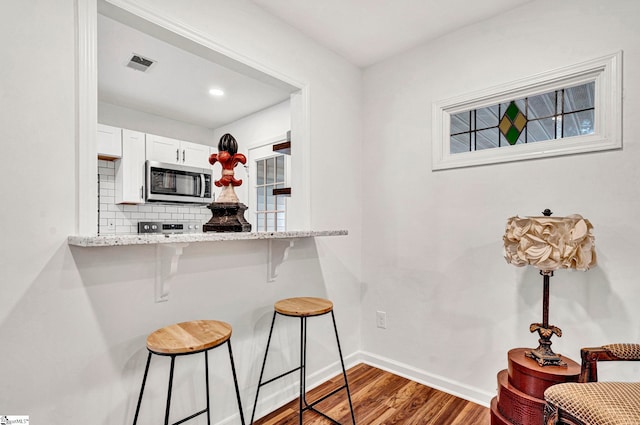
(270, 401)
(437, 382)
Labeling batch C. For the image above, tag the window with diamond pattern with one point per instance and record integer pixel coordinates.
(553, 115)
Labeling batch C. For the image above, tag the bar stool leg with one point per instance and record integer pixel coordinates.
(144, 381)
(235, 382)
(264, 362)
(303, 366)
(166, 416)
(344, 371)
(206, 380)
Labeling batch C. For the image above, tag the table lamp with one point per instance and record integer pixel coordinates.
(549, 243)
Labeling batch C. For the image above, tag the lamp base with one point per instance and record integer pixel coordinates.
(545, 356)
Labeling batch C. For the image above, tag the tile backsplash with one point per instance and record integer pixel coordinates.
(114, 218)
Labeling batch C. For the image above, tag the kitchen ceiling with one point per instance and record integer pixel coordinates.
(177, 85)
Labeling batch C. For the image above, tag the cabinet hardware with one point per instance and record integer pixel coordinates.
(177, 155)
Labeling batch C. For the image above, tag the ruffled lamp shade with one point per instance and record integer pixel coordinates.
(549, 243)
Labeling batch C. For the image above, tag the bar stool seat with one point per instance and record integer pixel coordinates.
(186, 338)
(303, 308)
(189, 337)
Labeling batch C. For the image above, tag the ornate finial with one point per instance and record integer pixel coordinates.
(547, 212)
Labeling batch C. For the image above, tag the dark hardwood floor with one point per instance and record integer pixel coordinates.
(381, 398)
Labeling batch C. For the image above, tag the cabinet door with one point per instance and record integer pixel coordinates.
(194, 154)
(130, 170)
(163, 149)
(109, 142)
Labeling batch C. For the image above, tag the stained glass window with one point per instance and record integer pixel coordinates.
(557, 114)
(563, 111)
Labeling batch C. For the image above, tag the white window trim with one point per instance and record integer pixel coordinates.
(606, 71)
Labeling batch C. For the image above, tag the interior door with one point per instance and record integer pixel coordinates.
(267, 170)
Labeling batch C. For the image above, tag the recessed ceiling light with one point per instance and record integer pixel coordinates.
(216, 92)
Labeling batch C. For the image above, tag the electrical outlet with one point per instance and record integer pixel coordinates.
(381, 319)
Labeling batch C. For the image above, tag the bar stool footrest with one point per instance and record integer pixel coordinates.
(279, 376)
(323, 398)
(310, 406)
(190, 417)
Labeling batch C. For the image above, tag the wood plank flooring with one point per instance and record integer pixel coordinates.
(381, 398)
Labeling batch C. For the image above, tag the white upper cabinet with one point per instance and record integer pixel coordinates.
(165, 149)
(130, 170)
(109, 142)
(195, 155)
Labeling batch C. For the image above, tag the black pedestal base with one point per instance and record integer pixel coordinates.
(227, 217)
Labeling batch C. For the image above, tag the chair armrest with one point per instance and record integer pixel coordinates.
(612, 352)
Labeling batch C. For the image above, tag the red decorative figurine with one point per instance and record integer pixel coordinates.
(228, 157)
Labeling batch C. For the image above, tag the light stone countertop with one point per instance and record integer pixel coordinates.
(150, 239)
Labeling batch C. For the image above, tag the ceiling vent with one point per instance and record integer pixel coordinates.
(140, 63)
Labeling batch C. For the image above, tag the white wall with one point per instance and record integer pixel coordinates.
(432, 240)
(73, 321)
(263, 125)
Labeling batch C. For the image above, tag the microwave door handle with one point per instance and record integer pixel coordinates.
(202, 183)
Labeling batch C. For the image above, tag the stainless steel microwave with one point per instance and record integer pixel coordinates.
(178, 183)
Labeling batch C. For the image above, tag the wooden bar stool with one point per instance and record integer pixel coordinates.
(182, 339)
(303, 308)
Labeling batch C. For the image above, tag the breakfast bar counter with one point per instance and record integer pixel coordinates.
(169, 248)
(152, 239)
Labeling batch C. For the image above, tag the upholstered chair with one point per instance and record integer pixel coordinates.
(590, 402)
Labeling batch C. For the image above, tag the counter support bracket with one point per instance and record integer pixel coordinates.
(163, 278)
(277, 254)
